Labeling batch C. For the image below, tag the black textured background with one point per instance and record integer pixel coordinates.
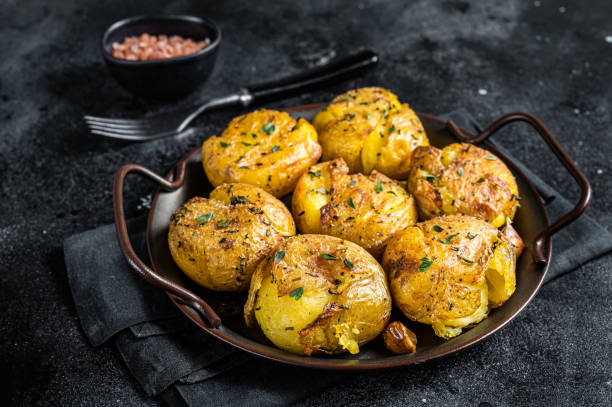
(550, 58)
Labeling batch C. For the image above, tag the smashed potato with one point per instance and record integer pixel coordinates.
(365, 210)
(462, 179)
(318, 294)
(218, 242)
(371, 130)
(449, 271)
(265, 148)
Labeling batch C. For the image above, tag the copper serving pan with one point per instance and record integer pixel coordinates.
(200, 305)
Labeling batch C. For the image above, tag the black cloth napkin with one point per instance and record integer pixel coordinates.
(171, 357)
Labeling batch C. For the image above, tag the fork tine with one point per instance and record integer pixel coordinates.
(127, 132)
(120, 136)
(117, 126)
(114, 121)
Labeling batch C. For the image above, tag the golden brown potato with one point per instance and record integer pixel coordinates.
(318, 294)
(399, 339)
(365, 210)
(218, 242)
(265, 148)
(448, 271)
(465, 179)
(371, 130)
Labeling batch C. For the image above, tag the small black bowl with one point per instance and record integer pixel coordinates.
(168, 78)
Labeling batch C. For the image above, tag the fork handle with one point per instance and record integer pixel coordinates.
(337, 70)
(334, 71)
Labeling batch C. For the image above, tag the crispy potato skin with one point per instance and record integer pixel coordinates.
(327, 200)
(265, 148)
(371, 130)
(307, 304)
(473, 269)
(222, 253)
(462, 179)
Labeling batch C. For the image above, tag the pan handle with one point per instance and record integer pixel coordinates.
(583, 183)
(186, 296)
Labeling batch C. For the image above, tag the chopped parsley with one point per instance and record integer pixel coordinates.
(480, 180)
(353, 182)
(222, 223)
(348, 264)
(438, 228)
(431, 179)
(316, 174)
(460, 171)
(351, 203)
(275, 148)
(392, 129)
(246, 144)
(224, 144)
(379, 187)
(490, 157)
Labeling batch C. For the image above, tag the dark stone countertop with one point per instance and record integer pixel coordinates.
(553, 59)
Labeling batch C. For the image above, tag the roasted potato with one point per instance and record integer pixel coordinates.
(218, 242)
(371, 130)
(449, 271)
(318, 294)
(365, 210)
(265, 148)
(462, 179)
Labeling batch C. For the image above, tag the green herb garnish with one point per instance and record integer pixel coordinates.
(206, 217)
(392, 129)
(450, 238)
(465, 260)
(425, 263)
(268, 128)
(351, 203)
(431, 179)
(316, 174)
(297, 293)
(246, 144)
(438, 228)
(348, 264)
(279, 256)
(321, 191)
(275, 148)
(379, 186)
(222, 223)
(224, 144)
(328, 256)
(238, 200)
(460, 171)
(490, 157)
(353, 182)
(480, 180)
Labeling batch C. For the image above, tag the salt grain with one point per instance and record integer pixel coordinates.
(609, 39)
(482, 91)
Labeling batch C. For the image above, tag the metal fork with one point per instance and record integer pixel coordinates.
(174, 123)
